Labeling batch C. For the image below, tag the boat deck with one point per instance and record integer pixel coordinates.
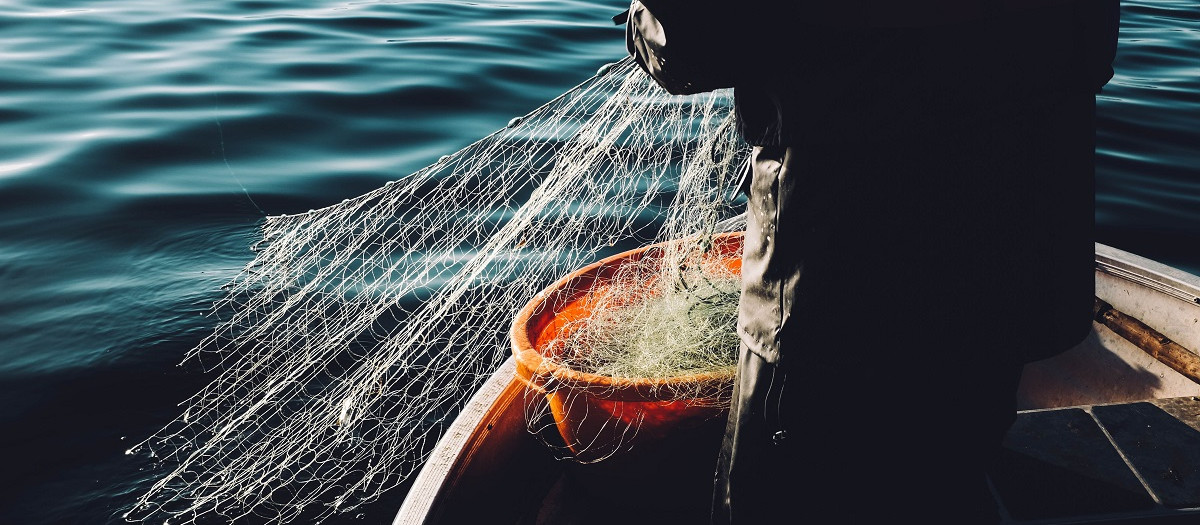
(1103, 464)
(1135, 462)
(1120, 463)
(1123, 446)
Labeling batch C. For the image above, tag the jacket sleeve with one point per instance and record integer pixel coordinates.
(689, 46)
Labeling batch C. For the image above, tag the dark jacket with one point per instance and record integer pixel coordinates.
(930, 176)
(919, 225)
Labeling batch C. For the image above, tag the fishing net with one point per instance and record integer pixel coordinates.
(636, 351)
(657, 320)
(359, 330)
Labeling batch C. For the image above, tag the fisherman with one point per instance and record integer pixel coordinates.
(920, 225)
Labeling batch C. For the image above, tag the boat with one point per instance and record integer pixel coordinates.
(1106, 433)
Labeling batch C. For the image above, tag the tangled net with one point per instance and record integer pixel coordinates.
(658, 318)
(359, 330)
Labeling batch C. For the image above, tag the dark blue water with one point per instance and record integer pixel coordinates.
(142, 142)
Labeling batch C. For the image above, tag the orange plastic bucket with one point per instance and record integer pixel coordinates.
(599, 416)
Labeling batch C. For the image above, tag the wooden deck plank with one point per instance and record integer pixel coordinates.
(1059, 463)
(1163, 449)
(1185, 409)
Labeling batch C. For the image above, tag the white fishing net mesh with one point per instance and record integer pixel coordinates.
(358, 331)
(637, 351)
(656, 319)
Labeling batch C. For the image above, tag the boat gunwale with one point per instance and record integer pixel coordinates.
(1151, 274)
(439, 471)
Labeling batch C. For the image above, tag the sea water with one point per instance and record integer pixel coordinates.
(141, 143)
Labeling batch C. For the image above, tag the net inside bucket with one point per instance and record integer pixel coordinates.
(357, 332)
(661, 316)
(637, 350)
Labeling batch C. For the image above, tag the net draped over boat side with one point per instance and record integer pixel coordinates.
(358, 331)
